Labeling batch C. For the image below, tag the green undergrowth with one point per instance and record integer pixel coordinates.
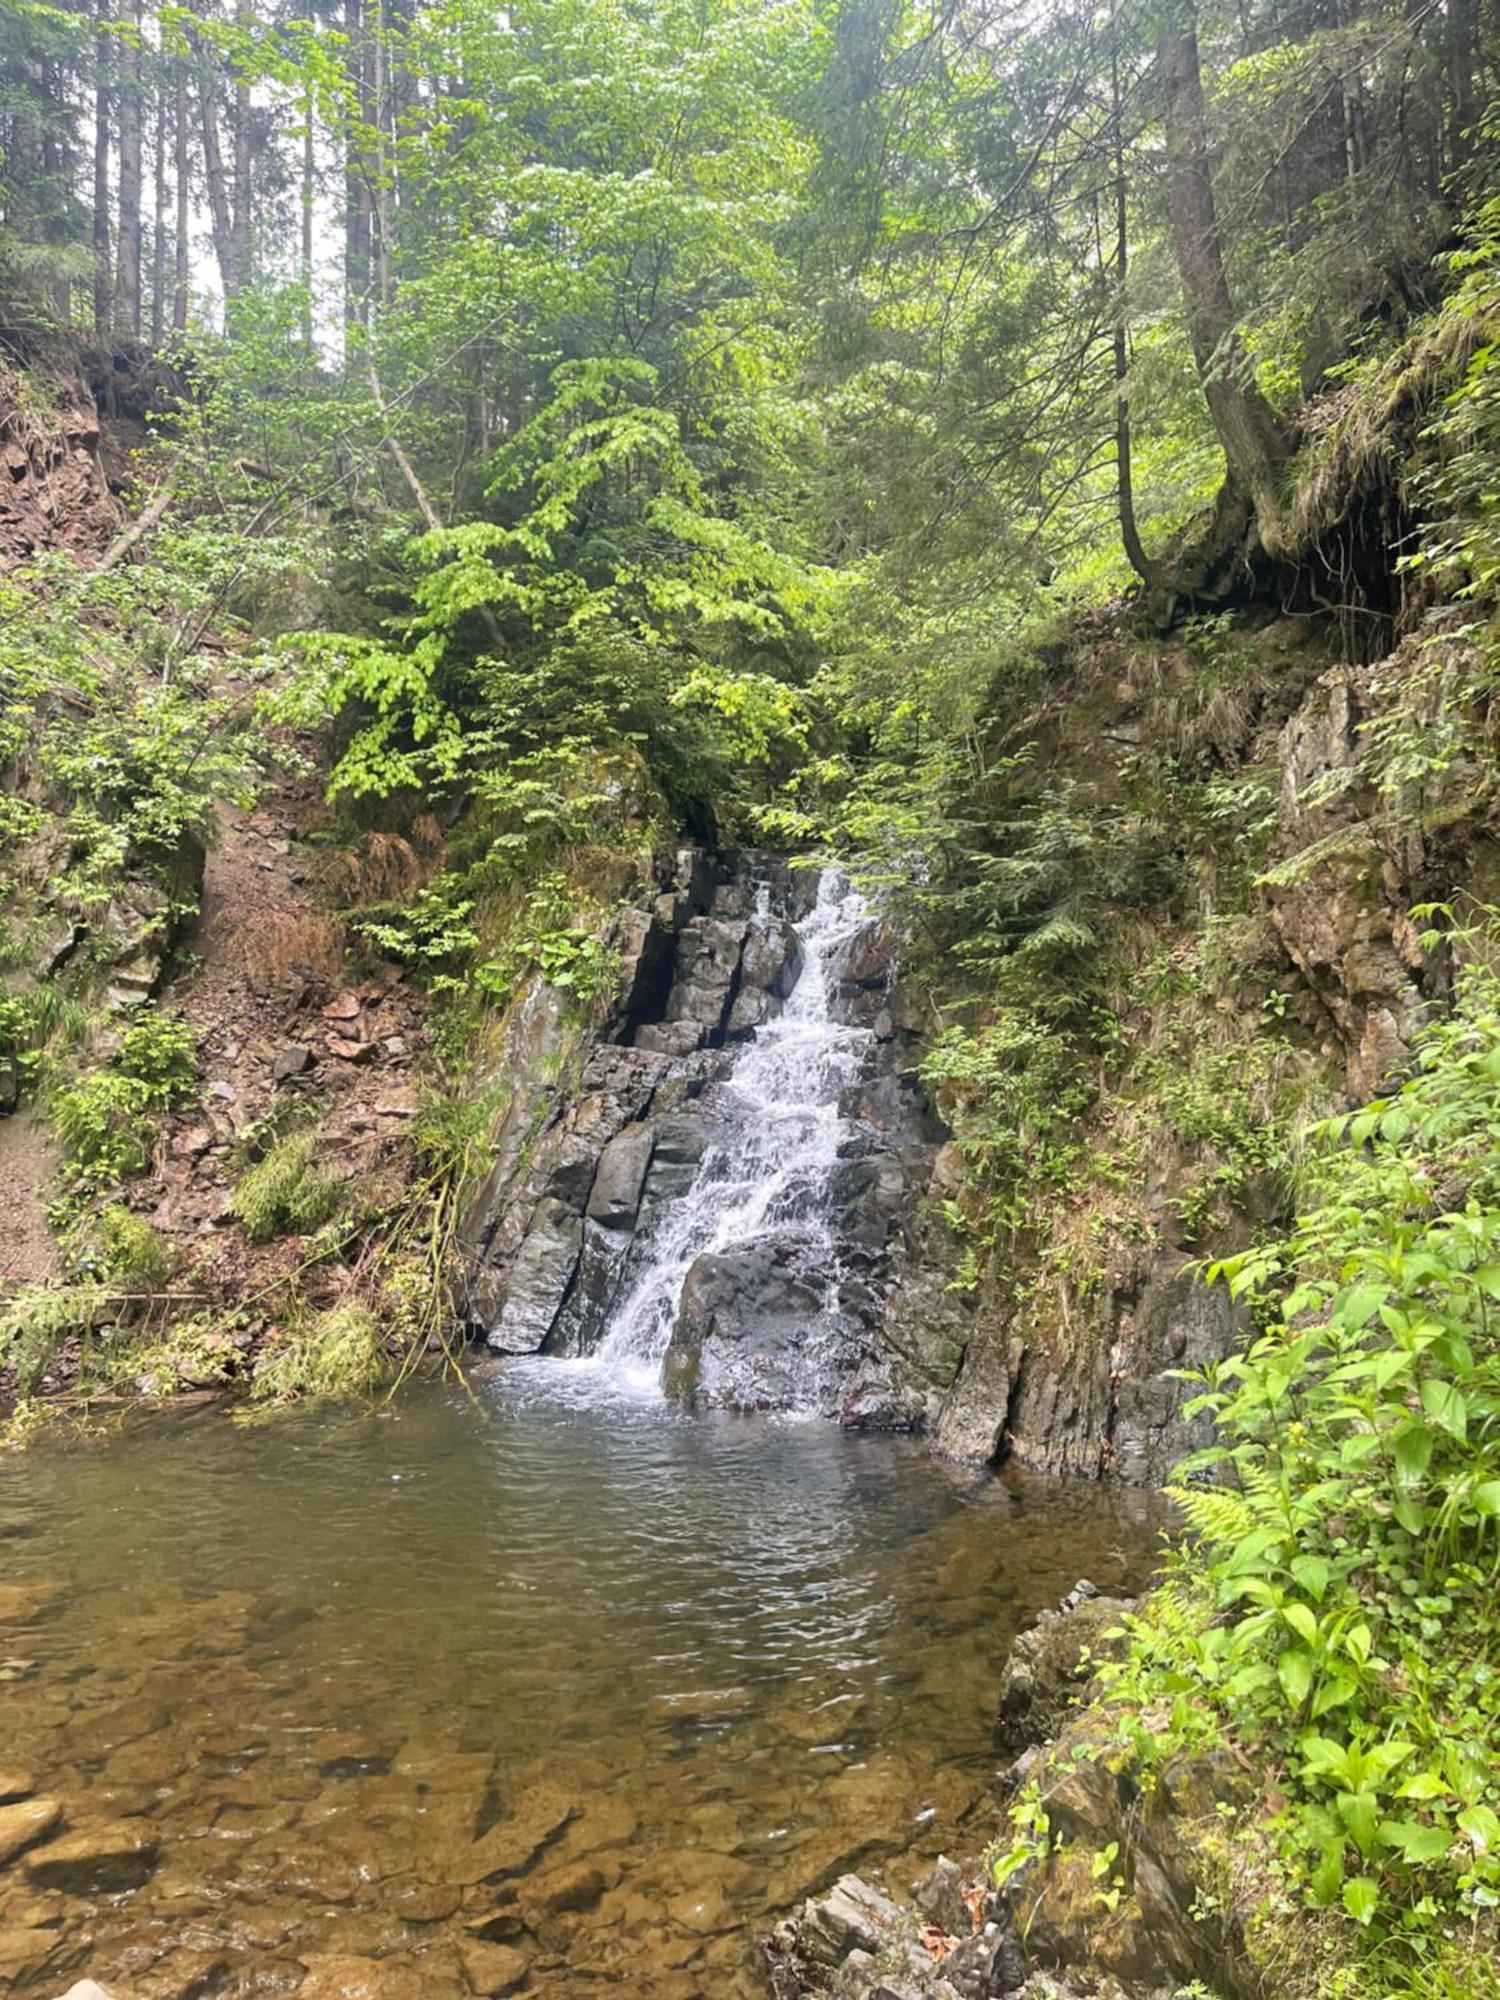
(286, 1191)
(1332, 1610)
(105, 1115)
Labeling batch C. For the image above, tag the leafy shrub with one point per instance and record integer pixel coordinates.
(131, 1252)
(340, 1352)
(103, 1118)
(1335, 1610)
(286, 1192)
(37, 1324)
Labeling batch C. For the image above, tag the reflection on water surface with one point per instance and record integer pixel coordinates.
(575, 1697)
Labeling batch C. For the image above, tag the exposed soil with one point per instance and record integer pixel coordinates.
(54, 486)
(298, 1026)
(28, 1159)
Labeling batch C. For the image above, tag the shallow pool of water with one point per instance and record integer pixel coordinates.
(605, 1688)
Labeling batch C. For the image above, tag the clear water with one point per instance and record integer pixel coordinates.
(324, 1658)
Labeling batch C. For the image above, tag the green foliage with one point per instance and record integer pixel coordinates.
(337, 1353)
(40, 1322)
(104, 1117)
(1344, 1567)
(131, 1252)
(286, 1192)
(1017, 1093)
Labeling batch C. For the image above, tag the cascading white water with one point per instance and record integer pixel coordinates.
(767, 1166)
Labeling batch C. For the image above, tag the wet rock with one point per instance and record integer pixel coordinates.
(770, 964)
(22, 1601)
(1051, 1662)
(25, 1823)
(615, 1198)
(708, 961)
(117, 1854)
(26, 1952)
(573, 1886)
(536, 1819)
(743, 1323)
(539, 1279)
(352, 1978)
(492, 1968)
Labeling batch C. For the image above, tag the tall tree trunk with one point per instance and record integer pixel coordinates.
(159, 213)
(57, 166)
(356, 184)
(103, 287)
(128, 247)
(219, 218)
(1130, 537)
(1463, 60)
(1255, 447)
(181, 248)
(241, 233)
(380, 180)
(308, 185)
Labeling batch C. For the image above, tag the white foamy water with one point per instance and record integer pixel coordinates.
(766, 1169)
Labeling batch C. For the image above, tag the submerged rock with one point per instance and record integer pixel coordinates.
(118, 1854)
(492, 1968)
(25, 1823)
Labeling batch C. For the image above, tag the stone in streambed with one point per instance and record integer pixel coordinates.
(21, 1602)
(492, 1968)
(25, 1951)
(15, 1783)
(113, 1855)
(25, 1823)
(331, 1977)
(575, 1886)
(510, 1848)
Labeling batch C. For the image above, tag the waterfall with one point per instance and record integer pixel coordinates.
(775, 1135)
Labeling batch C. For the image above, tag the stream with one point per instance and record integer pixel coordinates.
(553, 1686)
(515, 1689)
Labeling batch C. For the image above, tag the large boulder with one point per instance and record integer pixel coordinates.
(746, 1324)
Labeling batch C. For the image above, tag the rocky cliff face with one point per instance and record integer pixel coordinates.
(605, 1128)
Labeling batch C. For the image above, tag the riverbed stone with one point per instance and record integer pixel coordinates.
(24, 1951)
(23, 1600)
(25, 1823)
(16, 1782)
(116, 1854)
(573, 1886)
(332, 1976)
(492, 1968)
(509, 1848)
